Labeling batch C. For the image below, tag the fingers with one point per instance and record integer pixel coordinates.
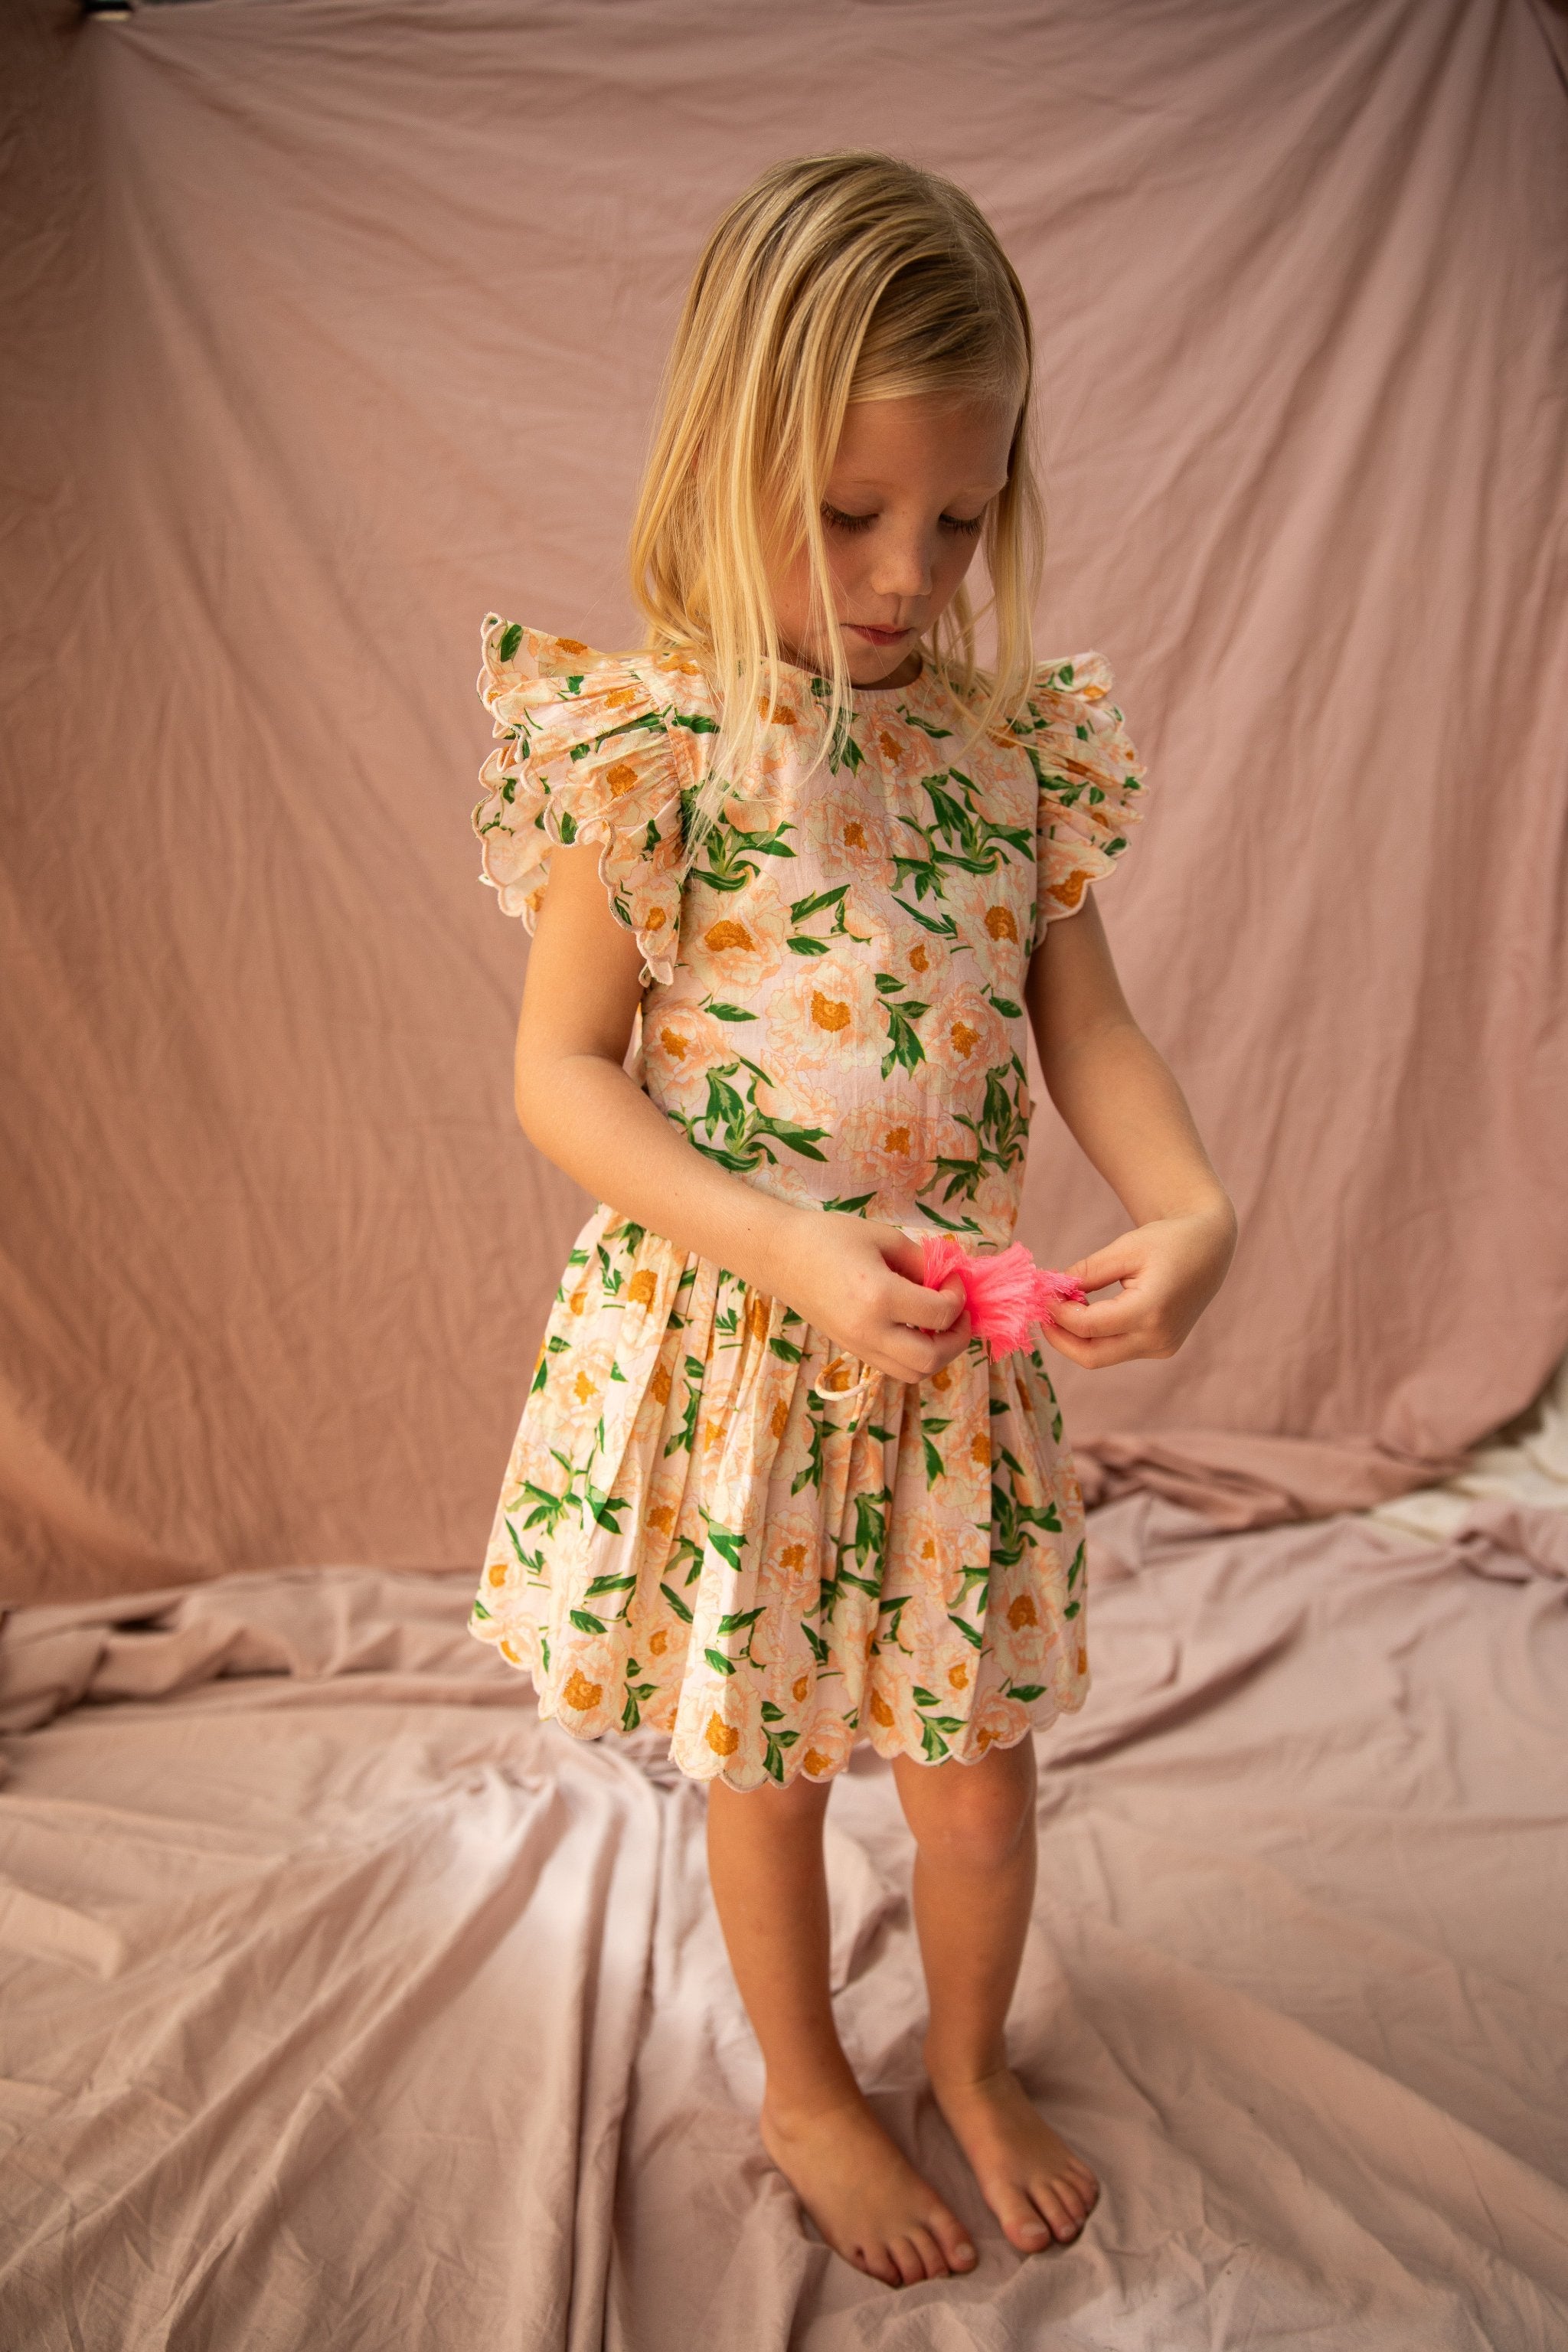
(1101, 1319)
(927, 1310)
(1096, 1355)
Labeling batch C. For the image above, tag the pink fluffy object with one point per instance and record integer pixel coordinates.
(1005, 1294)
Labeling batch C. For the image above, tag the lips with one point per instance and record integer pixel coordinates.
(878, 637)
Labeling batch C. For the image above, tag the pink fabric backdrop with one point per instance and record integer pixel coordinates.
(342, 325)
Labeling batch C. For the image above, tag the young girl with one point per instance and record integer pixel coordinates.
(769, 1494)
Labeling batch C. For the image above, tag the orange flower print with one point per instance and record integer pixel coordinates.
(827, 1013)
(831, 1010)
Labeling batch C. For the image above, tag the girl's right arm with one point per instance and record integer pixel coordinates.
(857, 1280)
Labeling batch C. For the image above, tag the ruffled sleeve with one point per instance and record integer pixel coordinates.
(1091, 787)
(592, 748)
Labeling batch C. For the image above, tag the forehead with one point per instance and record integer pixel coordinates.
(962, 438)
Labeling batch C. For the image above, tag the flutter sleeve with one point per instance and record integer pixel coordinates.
(1091, 785)
(592, 748)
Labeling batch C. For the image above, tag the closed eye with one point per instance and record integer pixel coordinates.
(837, 520)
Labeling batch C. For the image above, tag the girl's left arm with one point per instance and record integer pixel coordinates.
(1131, 1120)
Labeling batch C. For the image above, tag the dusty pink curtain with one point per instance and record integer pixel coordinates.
(333, 327)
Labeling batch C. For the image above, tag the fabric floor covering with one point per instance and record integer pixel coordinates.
(345, 2006)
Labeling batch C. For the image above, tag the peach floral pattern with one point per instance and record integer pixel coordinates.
(714, 1521)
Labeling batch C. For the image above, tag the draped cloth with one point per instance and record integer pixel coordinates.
(334, 327)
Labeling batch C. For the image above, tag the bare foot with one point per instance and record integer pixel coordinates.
(1033, 2182)
(865, 2197)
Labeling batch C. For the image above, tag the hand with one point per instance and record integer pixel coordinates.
(1168, 1269)
(859, 1282)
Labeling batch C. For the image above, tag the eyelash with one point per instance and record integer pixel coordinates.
(863, 522)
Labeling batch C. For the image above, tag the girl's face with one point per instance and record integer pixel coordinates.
(902, 515)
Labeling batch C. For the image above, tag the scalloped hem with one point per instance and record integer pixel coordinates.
(1035, 1722)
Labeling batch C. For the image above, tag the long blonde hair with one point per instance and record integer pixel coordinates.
(834, 279)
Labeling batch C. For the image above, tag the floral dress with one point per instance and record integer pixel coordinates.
(715, 1521)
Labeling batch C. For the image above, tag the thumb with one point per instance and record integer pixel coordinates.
(1117, 1262)
(904, 1256)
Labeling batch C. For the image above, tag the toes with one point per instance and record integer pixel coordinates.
(1023, 2226)
(878, 2263)
(1071, 2195)
(910, 2260)
(929, 2248)
(1058, 2212)
(956, 2250)
(1088, 2186)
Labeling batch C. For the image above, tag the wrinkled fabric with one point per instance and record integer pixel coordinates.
(343, 2002)
(333, 327)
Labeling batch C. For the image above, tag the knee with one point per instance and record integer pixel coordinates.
(974, 1818)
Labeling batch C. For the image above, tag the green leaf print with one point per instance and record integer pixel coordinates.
(851, 1203)
(774, 1745)
(726, 1542)
(810, 1471)
(1076, 1571)
(802, 945)
(511, 638)
(1072, 1609)
(568, 827)
(481, 1611)
(945, 928)
(733, 1131)
(904, 1048)
(684, 1436)
(548, 1509)
(816, 1643)
(738, 1620)
(817, 902)
(1025, 1693)
(970, 1632)
(1001, 1135)
(1012, 1527)
(733, 854)
(719, 1661)
(602, 1584)
(743, 1620)
(676, 1603)
(584, 1621)
(532, 1560)
(686, 1549)
(727, 1011)
(950, 1225)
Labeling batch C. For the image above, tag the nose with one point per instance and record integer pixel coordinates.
(903, 568)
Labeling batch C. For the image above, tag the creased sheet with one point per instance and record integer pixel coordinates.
(341, 2005)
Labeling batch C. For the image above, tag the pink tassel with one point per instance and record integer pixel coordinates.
(1005, 1294)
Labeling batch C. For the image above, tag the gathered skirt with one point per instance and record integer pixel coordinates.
(717, 1523)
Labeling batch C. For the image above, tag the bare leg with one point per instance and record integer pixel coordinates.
(765, 1858)
(973, 1888)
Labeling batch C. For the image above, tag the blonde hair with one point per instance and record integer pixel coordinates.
(834, 279)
